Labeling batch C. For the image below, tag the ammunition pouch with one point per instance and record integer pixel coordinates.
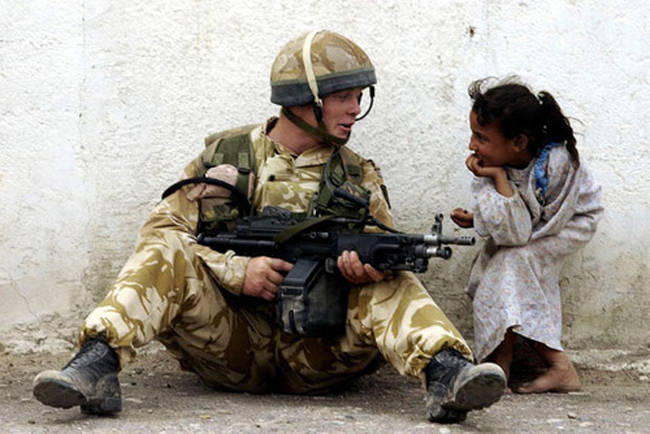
(312, 302)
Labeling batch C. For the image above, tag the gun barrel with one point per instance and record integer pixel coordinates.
(225, 243)
(435, 239)
(443, 252)
(461, 241)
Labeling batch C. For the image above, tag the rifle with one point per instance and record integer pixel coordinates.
(314, 292)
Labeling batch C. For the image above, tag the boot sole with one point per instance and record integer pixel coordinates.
(482, 388)
(60, 394)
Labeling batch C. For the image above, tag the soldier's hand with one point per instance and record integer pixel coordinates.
(462, 218)
(356, 272)
(263, 276)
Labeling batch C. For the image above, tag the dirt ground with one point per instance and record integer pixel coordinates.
(159, 397)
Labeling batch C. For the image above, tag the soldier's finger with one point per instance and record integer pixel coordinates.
(275, 278)
(373, 273)
(271, 289)
(355, 264)
(267, 295)
(343, 262)
(280, 265)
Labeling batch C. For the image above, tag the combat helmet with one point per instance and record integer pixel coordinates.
(313, 66)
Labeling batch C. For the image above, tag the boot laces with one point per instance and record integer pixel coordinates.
(95, 359)
(444, 367)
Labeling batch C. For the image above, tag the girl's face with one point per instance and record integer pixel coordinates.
(490, 146)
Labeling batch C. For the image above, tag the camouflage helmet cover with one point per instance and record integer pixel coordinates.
(337, 63)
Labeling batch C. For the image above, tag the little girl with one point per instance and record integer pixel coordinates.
(535, 203)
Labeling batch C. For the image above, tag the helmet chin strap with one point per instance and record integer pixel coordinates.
(320, 131)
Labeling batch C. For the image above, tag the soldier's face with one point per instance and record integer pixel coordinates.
(340, 110)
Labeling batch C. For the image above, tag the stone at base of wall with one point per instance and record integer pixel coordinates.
(613, 359)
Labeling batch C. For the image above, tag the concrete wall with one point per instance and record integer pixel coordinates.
(103, 103)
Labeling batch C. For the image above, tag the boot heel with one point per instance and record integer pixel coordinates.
(107, 406)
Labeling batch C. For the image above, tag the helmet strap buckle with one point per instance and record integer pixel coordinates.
(318, 112)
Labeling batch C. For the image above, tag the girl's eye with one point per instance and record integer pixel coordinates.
(479, 137)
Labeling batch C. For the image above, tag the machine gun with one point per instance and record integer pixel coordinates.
(314, 292)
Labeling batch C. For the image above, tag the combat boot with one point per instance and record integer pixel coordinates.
(456, 386)
(88, 380)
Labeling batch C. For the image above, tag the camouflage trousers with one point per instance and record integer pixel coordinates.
(166, 292)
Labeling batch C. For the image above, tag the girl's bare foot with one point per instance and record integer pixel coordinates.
(561, 375)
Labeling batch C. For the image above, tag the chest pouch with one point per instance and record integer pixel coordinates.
(340, 191)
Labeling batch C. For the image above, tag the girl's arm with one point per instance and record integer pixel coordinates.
(505, 219)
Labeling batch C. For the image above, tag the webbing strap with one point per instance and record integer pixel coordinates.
(297, 228)
(237, 194)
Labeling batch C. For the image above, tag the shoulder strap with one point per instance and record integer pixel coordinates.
(231, 147)
(341, 175)
(353, 171)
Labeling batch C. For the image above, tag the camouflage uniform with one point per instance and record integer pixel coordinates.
(187, 296)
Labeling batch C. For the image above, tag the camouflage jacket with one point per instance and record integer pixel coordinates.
(283, 179)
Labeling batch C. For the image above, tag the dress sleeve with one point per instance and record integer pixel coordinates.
(178, 213)
(504, 219)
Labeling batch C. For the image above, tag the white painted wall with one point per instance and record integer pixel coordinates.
(102, 103)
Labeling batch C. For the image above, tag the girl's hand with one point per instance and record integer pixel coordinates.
(497, 173)
(462, 218)
(474, 166)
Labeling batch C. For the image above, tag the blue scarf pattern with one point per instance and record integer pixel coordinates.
(541, 179)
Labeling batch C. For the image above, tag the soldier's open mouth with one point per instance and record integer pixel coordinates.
(346, 127)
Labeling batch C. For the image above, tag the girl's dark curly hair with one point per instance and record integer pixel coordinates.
(516, 110)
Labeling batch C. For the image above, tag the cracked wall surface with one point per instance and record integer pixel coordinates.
(103, 103)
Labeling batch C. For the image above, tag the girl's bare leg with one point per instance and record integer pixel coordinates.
(561, 376)
(503, 354)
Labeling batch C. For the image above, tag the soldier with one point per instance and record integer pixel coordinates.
(200, 303)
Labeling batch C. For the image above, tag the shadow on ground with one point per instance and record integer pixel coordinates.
(159, 397)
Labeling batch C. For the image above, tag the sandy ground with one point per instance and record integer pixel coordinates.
(159, 397)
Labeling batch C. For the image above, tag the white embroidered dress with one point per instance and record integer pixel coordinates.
(514, 280)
